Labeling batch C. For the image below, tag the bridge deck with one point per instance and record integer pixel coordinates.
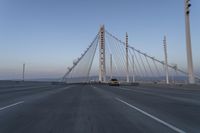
(98, 109)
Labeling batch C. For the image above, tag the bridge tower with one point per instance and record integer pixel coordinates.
(102, 65)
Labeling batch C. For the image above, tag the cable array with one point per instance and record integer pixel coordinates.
(142, 67)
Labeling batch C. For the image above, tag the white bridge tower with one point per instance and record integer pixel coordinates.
(102, 65)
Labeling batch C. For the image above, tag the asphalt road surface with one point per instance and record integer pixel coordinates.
(98, 109)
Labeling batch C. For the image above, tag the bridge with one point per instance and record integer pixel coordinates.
(109, 57)
(83, 102)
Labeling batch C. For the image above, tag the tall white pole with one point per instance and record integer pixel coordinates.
(191, 78)
(110, 66)
(23, 72)
(166, 62)
(102, 67)
(133, 69)
(127, 69)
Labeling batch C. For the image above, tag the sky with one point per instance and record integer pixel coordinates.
(48, 35)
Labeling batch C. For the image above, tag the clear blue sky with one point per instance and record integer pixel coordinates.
(48, 34)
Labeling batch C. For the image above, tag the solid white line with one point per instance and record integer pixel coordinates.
(153, 117)
(11, 105)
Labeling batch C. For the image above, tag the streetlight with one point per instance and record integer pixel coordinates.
(191, 78)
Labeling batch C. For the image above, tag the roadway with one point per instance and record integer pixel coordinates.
(98, 109)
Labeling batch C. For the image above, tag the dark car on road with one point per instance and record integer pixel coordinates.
(113, 82)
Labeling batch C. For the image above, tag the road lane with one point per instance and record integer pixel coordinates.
(79, 109)
(94, 109)
(183, 93)
(182, 114)
(153, 117)
(177, 97)
(19, 94)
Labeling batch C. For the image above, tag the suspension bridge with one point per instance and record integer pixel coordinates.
(77, 107)
(108, 57)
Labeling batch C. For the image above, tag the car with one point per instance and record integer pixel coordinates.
(113, 82)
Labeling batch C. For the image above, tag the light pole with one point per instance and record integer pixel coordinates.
(127, 63)
(166, 61)
(111, 66)
(133, 69)
(23, 72)
(191, 78)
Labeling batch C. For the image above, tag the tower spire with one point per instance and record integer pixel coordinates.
(102, 67)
